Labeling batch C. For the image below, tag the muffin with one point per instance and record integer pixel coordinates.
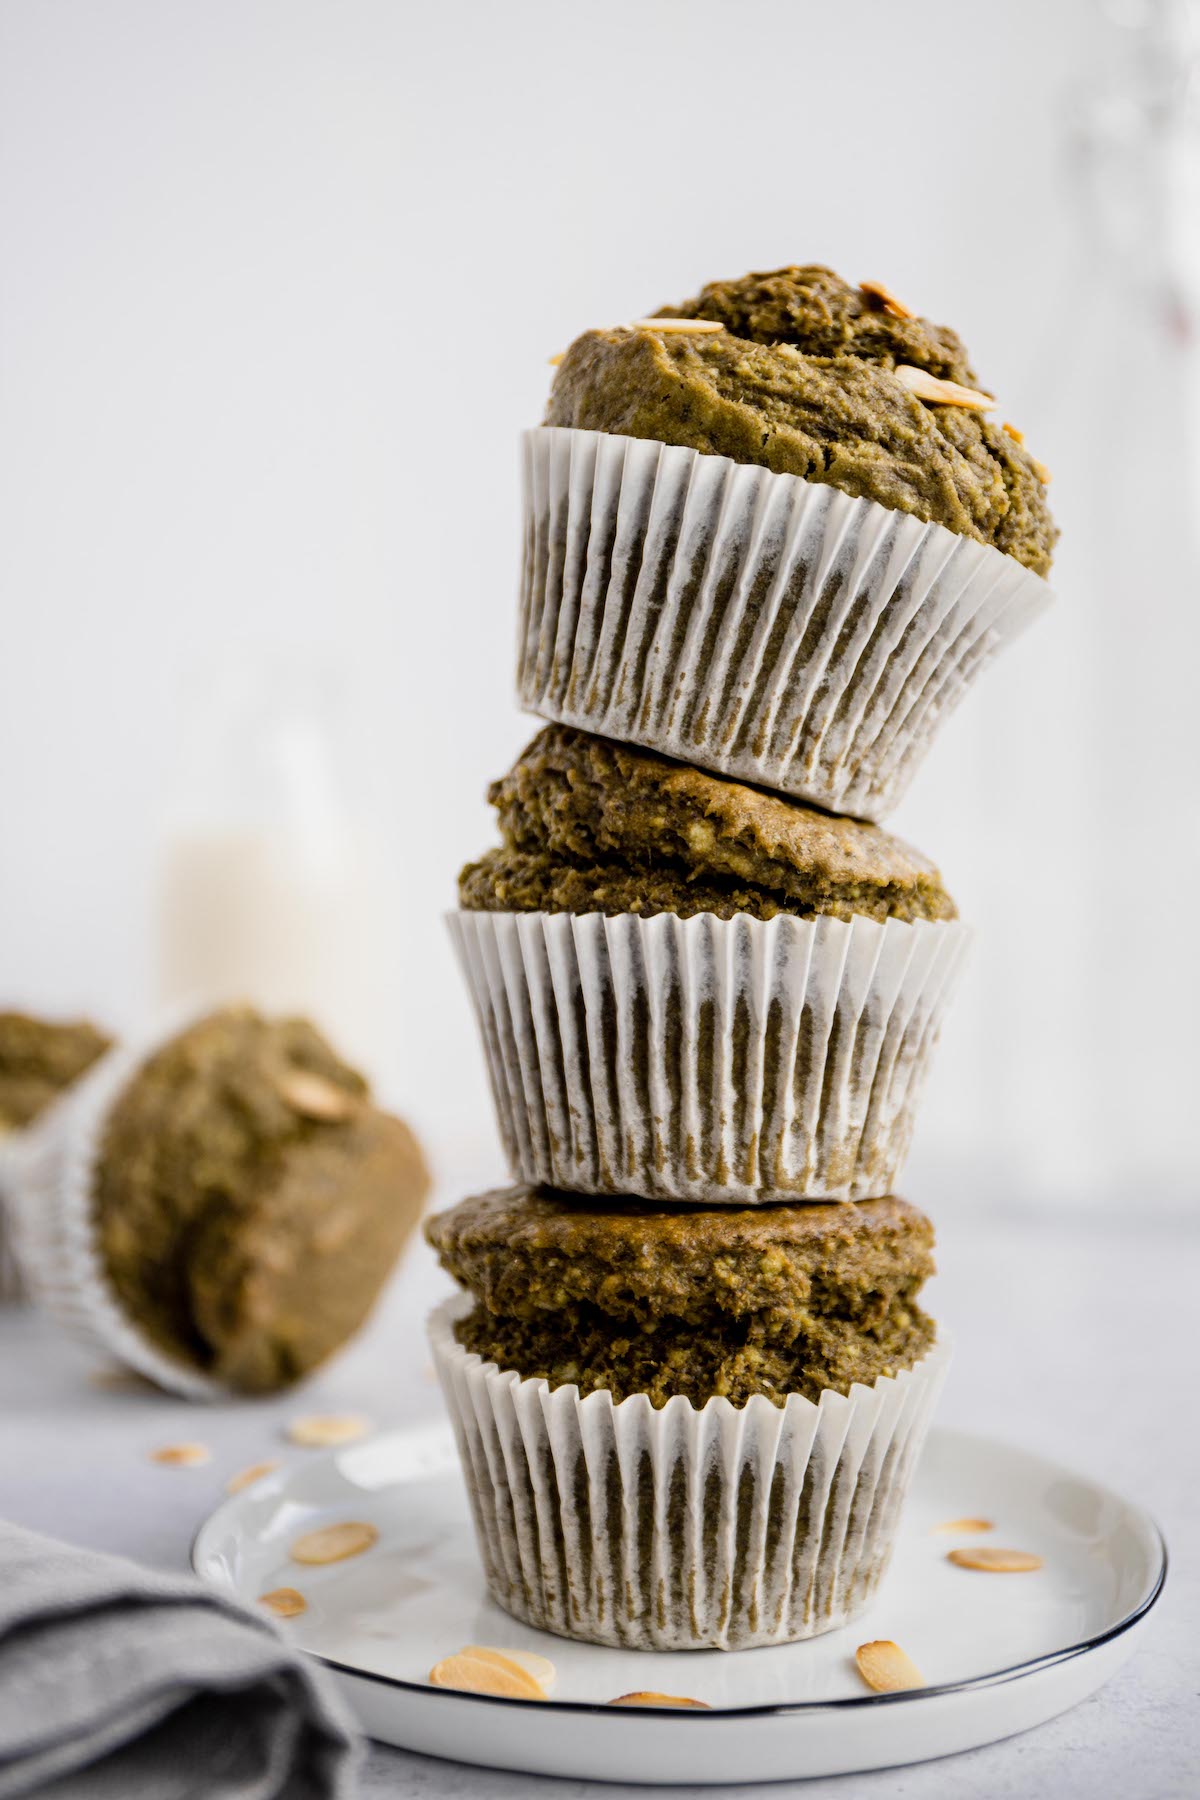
(796, 485)
(704, 1419)
(39, 1060)
(689, 989)
(222, 1210)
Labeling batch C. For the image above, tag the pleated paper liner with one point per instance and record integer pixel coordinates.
(52, 1221)
(680, 1528)
(762, 626)
(705, 1059)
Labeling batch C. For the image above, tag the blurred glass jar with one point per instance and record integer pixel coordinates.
(270, 885)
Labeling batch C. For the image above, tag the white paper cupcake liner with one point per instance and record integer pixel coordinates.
(12, 1286)
(680, 1528)
(706, 1059)
(51, 1217)
(760, 625)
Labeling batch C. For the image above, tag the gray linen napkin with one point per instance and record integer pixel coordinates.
(118, 1683)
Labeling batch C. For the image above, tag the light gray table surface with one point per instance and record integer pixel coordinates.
(1074, 1337)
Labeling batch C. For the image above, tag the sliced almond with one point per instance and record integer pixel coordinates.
(540, 1667)
(962, 1525)
(699, 326)
(181, 1456)
(247, 1477)
(925, 386)
(317, 1431)
(996, 1562)
(887, 300)
(1041, 471)
(1018, 437)
(492, 1674)
(645, 1698)
(559, 356)
(334, 1543)
(284, 1602)
(313, 1097)
(887, 1668)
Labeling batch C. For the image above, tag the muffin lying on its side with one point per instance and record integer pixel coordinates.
(776, 531)
(222, 1211)
(692, 990)
(631, 1512)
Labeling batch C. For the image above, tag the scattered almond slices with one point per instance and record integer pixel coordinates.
(540, 1667)
(284, 1602)
(645, 1698)
(994, 1561)
(887, 1668)
(334, 1543)
(888, 302)
(313, 1097)
(489, 1672)
(181, 1456)
(698, 326)
(1018, 437)
(317, 1431)
(956, 1526)
(558, 357)
(925, 386)
(247, 1477)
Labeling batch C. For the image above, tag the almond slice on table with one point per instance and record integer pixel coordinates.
(247, 1477)
(313, 1097)
(540, 1667)
(319, 1430)
(964, 1525)
(994, 1561)
(925, 386)
(699, 326)
(887, 1668)
(181, 1456)
(490, 1674)
(875, 290)
(334, 1543)
(645, 1698)
(284, 1602)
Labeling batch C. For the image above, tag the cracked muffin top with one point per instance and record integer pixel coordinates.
(800, 372)
(589, 825)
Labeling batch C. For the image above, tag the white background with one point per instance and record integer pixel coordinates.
(279, 283)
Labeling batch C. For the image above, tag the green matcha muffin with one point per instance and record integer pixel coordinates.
(796, 487)
(222, 1209)
(707, 1417)
(689, 989)
(39, 1060)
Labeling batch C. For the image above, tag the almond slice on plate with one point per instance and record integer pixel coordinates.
(319, 1430)
(181, 1456)
(887, 1668)
(995, 1562)
(313, 1097)
(541, 1668)
(888, 302)
(964, 1525)
(247, 1477)
(334, 1543)
(645, 1698)
(284, 1602)
(925, 386)
(698, 326)
(490, 1674)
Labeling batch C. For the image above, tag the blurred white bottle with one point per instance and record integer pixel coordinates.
(270, 887)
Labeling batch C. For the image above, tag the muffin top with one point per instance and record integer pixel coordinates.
(249, 1199)
(699, 1301)
(38, 1059)
(810, 376)
(594, 826)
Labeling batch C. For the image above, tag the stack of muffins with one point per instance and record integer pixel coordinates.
(771, 537)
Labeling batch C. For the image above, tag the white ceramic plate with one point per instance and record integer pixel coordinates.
(1001, 1652)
